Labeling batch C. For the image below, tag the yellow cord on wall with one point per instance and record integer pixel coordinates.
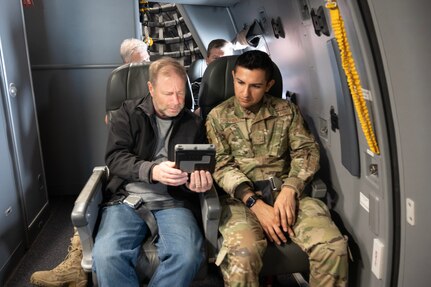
(352, 75)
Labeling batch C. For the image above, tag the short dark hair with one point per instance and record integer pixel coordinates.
(217, 43)
(256, 59)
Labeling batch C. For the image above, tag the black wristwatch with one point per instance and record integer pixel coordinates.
(252, 200)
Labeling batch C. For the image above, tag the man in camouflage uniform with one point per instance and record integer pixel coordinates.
(258, 136)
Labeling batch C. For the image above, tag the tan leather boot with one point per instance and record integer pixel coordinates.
(67, 273)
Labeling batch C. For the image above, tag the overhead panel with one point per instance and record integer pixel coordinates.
(224, 3)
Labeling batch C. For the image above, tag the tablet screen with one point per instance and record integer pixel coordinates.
(191, 157)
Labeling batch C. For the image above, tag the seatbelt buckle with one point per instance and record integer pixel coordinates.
(275, 183)
(134, 201)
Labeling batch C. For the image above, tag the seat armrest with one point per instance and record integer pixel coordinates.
(211, 210)
(85, 212)
(318, 189)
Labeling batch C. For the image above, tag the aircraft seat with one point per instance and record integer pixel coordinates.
(126, 82)
(196, 70)
(217, 86)
(130, 81)
(195, 73)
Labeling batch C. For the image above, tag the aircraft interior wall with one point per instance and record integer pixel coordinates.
(402, 33)
(23, 194)
(12, 231)
(74, 46)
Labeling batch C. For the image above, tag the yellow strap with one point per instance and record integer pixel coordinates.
(352, 75)
(149, 41)
(144, 8)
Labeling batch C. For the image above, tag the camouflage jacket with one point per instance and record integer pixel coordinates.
(252, 147)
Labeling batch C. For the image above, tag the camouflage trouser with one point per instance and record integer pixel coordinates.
(244, 243)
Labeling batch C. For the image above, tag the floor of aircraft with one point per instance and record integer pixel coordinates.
(50, 248)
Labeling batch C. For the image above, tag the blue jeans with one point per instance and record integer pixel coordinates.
(118, 243)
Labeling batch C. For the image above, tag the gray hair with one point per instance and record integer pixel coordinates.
(131, 45)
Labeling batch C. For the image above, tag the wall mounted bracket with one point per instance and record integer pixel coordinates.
(319, 21)
(277, 27)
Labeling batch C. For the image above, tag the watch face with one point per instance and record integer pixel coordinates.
(250, 201)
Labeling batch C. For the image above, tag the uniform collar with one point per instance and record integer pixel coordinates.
(266, 110)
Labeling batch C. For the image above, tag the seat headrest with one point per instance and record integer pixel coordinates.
(217, 83)
(197, 69)
(129, 81)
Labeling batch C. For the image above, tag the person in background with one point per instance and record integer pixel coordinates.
(70, 272)
(259, 137)
(134, 51)
(216, 48)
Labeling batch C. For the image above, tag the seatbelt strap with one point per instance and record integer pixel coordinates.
(145, 213)
(143, 209)
(263, 188)
(163, 204)
(138, 205)
(267, 188)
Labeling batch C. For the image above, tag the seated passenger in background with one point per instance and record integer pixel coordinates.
(216, 48)
(258, 136)
(70, 271)
(134, 51)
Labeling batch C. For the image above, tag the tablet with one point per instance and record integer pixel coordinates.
(191, 157)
